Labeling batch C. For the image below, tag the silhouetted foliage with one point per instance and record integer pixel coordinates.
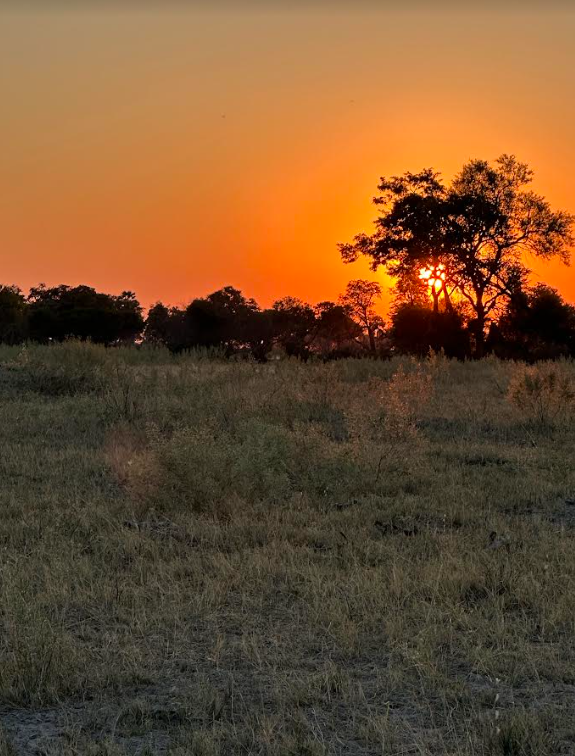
(538, 324)
(479, 228)
(358, 301)
(165, 326)
(409, 289)
(81, 312)
(416, 330)
(293, 324)
(13, 315)
(260, 334)
(336, 333)
(158, 325)
(223, 319)
(204, 325)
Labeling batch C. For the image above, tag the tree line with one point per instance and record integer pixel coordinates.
(535, 324)
(458, 253)
(225, 320)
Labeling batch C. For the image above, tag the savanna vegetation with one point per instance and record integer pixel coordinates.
(535, 324)
(459, 256)
(210, 556)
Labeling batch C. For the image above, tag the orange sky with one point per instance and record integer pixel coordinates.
(175, 151)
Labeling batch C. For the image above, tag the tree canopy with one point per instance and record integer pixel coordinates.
(359, 301)
(471, 238)
(62, 312)
(13, 315)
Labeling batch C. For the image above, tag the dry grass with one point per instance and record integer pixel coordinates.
(200, 557)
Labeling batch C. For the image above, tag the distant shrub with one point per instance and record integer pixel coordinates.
(543, 393)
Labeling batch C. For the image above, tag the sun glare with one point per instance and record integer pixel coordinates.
(434, 277)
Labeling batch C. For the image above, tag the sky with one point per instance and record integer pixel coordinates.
(172, 148)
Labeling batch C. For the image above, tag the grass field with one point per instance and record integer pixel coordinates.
(207, 557)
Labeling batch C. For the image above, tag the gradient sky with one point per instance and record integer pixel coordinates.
(173, 148)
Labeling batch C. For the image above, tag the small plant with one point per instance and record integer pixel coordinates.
(543, 393)
(518, 733)
(121, 394)
(406, 396)
(6, 747)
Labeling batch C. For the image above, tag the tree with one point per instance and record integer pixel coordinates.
(81, 312)
(293, 326)
(336, 333)
(126, 318)
(204, 325)
(537, 324)
(227, 319)
(417, 329)
(471, 237)
(223, 318)
(158, 325)
(358, 301)
(13, 315)
(260, 334)
(410, 289)
(166, 326)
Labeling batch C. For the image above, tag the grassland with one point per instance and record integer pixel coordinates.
(206, 557)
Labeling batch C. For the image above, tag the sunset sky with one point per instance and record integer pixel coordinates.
(173, 148)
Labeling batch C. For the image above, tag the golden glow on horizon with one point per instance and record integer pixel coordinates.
(174, 152)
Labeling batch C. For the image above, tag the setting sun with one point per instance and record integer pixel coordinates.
(434, 277)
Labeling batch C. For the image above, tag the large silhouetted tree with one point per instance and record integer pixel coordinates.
(476, 230)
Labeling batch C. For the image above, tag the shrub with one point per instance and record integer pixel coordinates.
(518, 733)
(406, 396)
(202, 470)
(543, 393)
(122, 393)
(67, 369)
(210, 470)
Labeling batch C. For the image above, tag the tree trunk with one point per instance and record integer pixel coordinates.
(448, 303)
(371, 337)
(479, 328)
